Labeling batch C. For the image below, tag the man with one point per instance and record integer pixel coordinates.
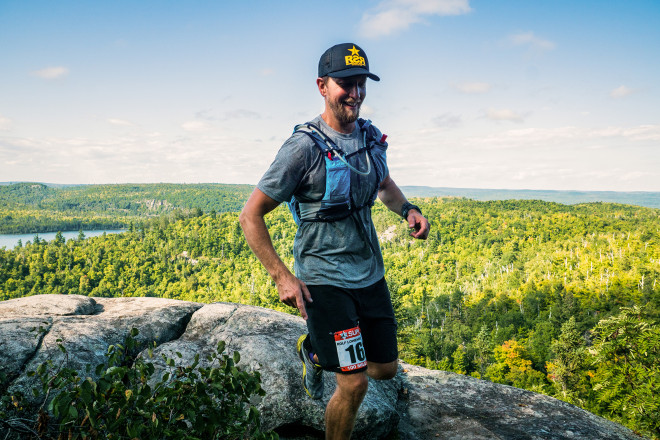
(330, 171)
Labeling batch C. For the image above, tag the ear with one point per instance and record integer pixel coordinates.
(322, 86)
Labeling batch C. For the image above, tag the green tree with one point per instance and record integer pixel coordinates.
(483, 350)
(626, 354)
(512, 367)
(59, 239)
(566, 368)
(459, 361)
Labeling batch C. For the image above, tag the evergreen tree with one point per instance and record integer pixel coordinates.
(59, 239)
(459, 361)
(567, 365)
(483, 350)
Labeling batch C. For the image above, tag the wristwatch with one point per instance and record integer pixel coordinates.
(405, 209)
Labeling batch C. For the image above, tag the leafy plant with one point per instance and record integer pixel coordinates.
(627, 377)
(210, 400)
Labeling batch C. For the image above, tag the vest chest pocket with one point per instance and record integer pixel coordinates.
(337, 195)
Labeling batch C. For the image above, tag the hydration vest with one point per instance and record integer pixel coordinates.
(337, 202)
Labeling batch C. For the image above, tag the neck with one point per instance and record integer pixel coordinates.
(334, 123)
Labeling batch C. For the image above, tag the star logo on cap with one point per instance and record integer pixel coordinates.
(354, 51)
(354, 59)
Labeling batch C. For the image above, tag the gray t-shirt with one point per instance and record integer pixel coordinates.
(332, 253)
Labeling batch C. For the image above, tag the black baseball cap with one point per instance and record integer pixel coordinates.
(343, 60)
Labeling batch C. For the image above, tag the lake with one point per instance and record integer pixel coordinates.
(9, 241)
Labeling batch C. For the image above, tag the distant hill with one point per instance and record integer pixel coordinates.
(51, 185)
(638, 198)
(29, 207)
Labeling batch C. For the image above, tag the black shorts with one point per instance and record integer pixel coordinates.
(334, 315)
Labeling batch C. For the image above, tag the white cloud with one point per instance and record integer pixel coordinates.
(120, 122)
(205, 115)
(621, 91)
(5, 123)
(643, 133)
(533, 158)
(392, 16)
(545, 137)
(205, 120)
(472, 87)
(267, 72)
(241, 114)
(51, 72)
(531, 40)
(196, 126)
(366, 110)
(194, 157)
(634, 175)
(503, 115)
(447, 120)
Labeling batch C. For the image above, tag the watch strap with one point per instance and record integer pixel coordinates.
(405, 209)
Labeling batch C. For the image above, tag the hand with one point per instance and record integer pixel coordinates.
(419, 224)
(293, 292)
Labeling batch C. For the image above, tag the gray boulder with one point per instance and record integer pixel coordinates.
(451, 406)
(417, 404)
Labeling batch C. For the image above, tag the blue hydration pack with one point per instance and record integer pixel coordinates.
(337, 203)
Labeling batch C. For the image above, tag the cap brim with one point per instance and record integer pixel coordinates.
(353, 72)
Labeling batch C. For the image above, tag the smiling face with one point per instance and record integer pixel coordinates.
(343, 98)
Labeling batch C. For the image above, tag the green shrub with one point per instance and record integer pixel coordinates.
(126, 401)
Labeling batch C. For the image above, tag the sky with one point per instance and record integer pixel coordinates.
(508, 94)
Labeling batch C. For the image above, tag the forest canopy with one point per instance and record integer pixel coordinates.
(558, 299)
(34, 207)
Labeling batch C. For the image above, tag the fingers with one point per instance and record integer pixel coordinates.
(294, 293)
(420, 225)
(300, 302)
(301, 307)
(306, 294)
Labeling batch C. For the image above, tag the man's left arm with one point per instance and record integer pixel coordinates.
(390, 194)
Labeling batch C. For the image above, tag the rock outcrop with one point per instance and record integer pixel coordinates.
(416, 404)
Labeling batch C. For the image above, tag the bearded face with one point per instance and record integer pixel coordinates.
(344, 97)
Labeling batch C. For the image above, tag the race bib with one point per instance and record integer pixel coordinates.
(350, 349)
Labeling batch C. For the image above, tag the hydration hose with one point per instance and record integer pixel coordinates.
(335, 149)
(366, 154)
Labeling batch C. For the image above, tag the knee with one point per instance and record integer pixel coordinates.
(359, 385)
(387, 375)
(354, 385)
(383, 371)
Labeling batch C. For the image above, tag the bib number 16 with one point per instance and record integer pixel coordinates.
(350, 349)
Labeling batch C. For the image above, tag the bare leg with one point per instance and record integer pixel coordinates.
(343, 405)
(380, 371)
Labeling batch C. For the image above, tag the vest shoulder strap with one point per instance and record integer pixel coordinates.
(321, 140)
(327, 145)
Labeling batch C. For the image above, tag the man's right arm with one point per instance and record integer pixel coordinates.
(292, 291)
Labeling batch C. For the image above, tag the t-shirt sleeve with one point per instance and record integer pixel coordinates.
(287, 170)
